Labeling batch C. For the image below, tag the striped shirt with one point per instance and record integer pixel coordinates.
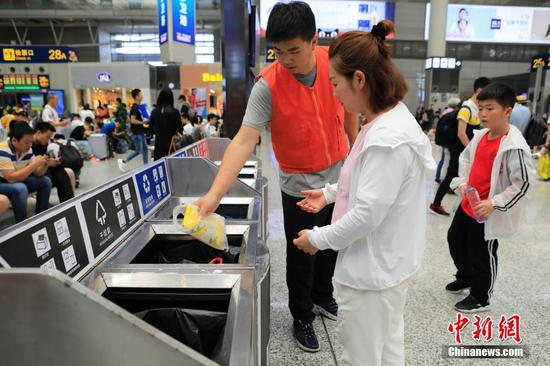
(10, 160)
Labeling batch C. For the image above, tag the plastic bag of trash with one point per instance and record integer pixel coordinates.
(209, 229)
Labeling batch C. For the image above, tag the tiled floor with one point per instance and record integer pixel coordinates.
(522, 287)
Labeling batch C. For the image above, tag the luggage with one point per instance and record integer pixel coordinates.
(99, 144)
(543, 168)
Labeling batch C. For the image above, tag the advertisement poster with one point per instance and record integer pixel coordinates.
(163, 20)
(183, 18)
(197, 98)
(339, 15)
(500, 24)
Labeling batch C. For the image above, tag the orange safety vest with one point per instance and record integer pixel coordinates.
(307, 129)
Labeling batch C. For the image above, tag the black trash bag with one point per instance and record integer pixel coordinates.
(201, 330)
(183, 252)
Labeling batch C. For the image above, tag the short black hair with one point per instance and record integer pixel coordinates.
(135, 92)
(182, 97)
(212, 116)
(185, 115)
(289, 21)
(20, 129)
(88, 120)
(481, 82)
(43, 127)
(504, 94)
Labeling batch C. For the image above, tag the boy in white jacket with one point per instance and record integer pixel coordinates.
(497, 165)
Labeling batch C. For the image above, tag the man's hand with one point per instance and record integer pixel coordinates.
(303, 243)
(484, 209)
(314, 202)
(207, 203)
(52, 162)
(40, 161)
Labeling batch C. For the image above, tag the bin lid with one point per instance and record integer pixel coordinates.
(47, 318)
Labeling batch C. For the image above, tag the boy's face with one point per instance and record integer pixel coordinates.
(492, 114)
(295, 55)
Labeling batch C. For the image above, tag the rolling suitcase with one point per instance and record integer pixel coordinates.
(100, 147)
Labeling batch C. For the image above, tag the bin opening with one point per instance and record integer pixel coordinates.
(194, 317)
(186, 249)
(235, 211)
(246, 176)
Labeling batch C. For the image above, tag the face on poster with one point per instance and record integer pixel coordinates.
(197, 99)
(500, 24)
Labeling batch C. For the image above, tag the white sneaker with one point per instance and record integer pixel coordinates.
(122, 165)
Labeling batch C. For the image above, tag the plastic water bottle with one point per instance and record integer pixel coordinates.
(473, 198)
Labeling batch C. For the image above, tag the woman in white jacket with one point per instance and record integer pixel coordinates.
(379, 221)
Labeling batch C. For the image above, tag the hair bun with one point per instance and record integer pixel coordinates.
(378, 31)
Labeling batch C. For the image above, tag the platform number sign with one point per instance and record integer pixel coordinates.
(269, 54)
(540, 61)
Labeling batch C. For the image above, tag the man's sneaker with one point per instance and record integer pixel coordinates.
(472, 305)
(457, 287)
(327, 309)
(438, 210)
(305, 336)
(122, 165)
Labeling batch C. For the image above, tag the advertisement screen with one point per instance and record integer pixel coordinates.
(341, 15)
(499, 24)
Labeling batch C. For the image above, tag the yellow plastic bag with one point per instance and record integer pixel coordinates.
(543, 168)
(210, 229)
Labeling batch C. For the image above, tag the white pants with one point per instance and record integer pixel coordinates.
(371, 326)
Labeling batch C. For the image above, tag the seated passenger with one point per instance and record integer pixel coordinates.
(80, 136)
(62, 178)
(21, 172)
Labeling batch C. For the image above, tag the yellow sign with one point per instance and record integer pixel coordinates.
(209, 78)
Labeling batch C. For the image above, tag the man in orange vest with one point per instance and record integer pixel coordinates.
(294, 97)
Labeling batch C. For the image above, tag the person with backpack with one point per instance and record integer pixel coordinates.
(464, 121)
(452, 106)
(63, 178)
(69, 154)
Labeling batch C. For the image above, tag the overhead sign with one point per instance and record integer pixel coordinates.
(104, 77)
(338, 14)
(24, 82)
(153, 187)
(495, 24)
(110, 213)
(163, 20)
(183, 21)
(449, 63)
(269, 54)
(540, 61)
(38, 54)
(54, 243)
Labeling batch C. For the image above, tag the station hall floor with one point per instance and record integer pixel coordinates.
(522, 286)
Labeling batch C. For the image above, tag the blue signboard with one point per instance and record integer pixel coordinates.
(41, 54)
(163, 20)
(153, 187)
(183, 19)
(269, 54)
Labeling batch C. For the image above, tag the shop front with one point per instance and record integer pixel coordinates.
(203, 87)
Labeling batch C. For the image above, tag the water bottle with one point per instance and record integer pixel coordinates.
(473, 198)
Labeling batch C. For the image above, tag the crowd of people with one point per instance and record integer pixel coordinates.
(41, 150)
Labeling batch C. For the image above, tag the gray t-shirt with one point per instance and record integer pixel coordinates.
(258, 115)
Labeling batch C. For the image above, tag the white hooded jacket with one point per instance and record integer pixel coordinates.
(381, 239)
(510, 181)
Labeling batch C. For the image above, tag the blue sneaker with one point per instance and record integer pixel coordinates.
(305, 336)
(327, 309)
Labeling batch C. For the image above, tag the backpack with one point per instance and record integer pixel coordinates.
(70, 156)
(446, 131)
(121, 146)
(534, 134)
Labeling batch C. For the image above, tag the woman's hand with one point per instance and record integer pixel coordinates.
(314, 202)
(302, 243)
